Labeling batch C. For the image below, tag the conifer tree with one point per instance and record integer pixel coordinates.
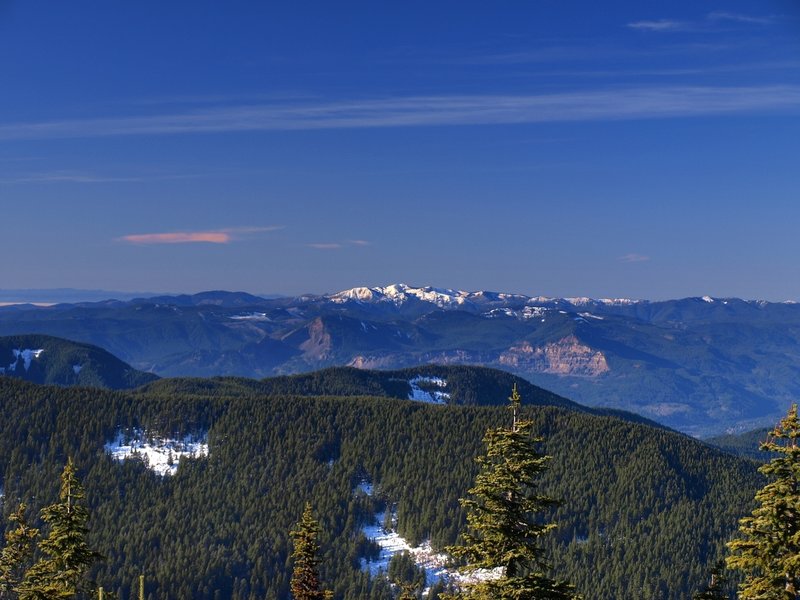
(305, 584)
(17, 554)
(504, 521)
(67, 557)
(716, 587)
(769, 550)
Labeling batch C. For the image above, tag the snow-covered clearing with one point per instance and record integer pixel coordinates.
(432, 396)
(433, 563)
(365, 487)
(27, 355)
(162, 455)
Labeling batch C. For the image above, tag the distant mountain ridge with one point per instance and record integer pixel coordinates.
(462, 385)
(701, 365)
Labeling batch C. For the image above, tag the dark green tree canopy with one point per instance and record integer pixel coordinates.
(645, 510)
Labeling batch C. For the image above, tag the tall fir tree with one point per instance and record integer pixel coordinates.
(67, 556)
(504, 520)
(768, 551)
(17, 554)
(305, 584)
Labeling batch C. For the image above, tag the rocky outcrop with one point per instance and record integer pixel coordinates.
(318, 345)
(567, 356)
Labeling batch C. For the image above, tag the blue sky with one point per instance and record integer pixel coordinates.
(623, 149)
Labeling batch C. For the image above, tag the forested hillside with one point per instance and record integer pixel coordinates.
(455, 384)
(745, 444)
(52, 360)
(645, 511)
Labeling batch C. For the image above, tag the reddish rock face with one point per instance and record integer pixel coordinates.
(567, 356)
(318, 345)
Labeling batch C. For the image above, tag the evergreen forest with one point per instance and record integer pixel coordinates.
(644, 512)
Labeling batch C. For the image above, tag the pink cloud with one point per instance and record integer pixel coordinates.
(208, 237)
(217, 236)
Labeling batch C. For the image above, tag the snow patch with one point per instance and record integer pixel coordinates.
(527, 312)
(161, 455)
(708, 299)
(365, 487)
(76, 369)
(27, 356)
(498, 312)
(433, 563)
(432, 396)
(253, 316)
(587, 315)
(583, 301)
(532, 312)
(580, 301)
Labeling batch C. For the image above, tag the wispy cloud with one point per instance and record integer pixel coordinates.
(740, 18)
(706, 24)
(415, 111)
(219, 236)
(325, 245)
(662, 25)
(338, 245)
(633, 258)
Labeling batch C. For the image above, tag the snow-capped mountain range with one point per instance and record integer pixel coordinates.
(400, 293)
